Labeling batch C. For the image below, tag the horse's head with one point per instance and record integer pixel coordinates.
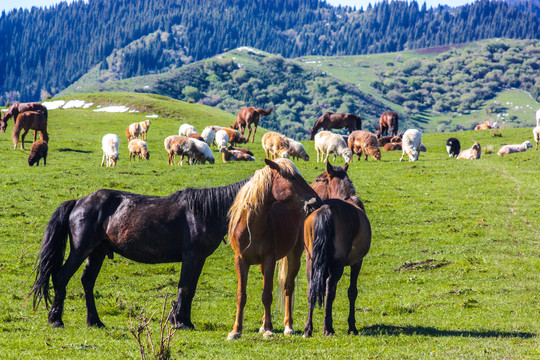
(289, 187)
(334, 183)
(3, 121)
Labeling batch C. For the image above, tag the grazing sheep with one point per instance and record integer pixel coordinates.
(412, 139)
(453, 147)
(235, 155)
(536, 134)
(110, 144)
(484, 126)
(473, 153)
(37, 152)
(203, 153)
(186, 130)
(145, 126)
(244, 150)
(169, 140)
(537, 117)
(184, 147)
(392, 146)
(297, 150)
(209, 135)
(235, 137)
(327, 143)
(222, 139)
(275, 145)
(138, 148)
(133, 131)
(364, 142)
(510, 149)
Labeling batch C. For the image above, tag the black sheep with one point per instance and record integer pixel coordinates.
(453, 147)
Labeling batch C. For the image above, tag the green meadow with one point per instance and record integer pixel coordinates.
(453, 271)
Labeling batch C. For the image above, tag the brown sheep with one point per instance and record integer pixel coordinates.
(275, 145)
(235, 155)
(37, 152)
(196, 136)
(138, 148)
(244, 150)
(364, 142)
(392, 146)
(133, 131)
(484, 126)
(235, 137)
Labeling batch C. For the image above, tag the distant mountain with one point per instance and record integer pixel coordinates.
(46, 50)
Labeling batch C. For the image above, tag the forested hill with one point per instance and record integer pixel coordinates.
(45, 50)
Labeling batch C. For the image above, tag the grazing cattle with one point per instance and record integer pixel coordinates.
(336, 121)
(297, 150)
(392, 146)
(30, 120)
(19, 108)
(249, 116)
(133, 131)
(37, 152)
(144, 126)
(412, 139)
(364, 142)
(110, 145)
(536, 135)
(186, 130)
(484, 126)
(327, 143)
(336, 235)
(453, 147)
(265, 226)
(222, 139)
(474, 153)
(275, 145)
(389, 122)
(229, 154)
(138, 149)
(510, 149)
(234, 136)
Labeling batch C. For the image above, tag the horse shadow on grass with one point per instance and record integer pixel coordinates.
(381, 329)
(75, 150)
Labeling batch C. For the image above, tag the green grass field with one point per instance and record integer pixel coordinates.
(453, 272)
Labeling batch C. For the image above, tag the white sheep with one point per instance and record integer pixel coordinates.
(275, 145)
(204, 152)
(297, 150)
(536, 135)
(222, 139)
(412, 140)
(138, 148)
(327, 143)
(186, 130)
(144, 126)
(133, 131)
(208, 134)
(510, 149)
(110, 145)
(537, 117)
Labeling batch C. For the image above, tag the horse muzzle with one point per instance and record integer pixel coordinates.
(312, 204)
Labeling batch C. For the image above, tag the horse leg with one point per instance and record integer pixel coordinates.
(268, 267)
(353, 294)
(249, 132)
(22, 138)
(254, 132)
(308, 329)
(336, 270)
(191, 271)
(293, 266)
(242, 271)
(60, 282)
(88, 279)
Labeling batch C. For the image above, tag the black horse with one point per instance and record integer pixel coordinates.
(186, 226)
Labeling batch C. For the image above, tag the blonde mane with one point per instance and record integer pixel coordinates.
(253, 194)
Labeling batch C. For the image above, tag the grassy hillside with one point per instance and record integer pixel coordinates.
(453, 271)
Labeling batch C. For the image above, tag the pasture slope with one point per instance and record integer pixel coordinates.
(453, 272)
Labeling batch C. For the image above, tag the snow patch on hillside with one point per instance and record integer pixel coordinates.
(113, 109)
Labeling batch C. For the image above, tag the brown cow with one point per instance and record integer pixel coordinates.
(249, 116)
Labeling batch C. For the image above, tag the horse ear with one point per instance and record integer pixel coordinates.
(272, 164)
(330, 169)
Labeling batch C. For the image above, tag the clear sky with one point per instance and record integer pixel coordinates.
(15, 4)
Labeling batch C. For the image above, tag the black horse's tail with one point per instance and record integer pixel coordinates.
(51, 255)
(322, 253)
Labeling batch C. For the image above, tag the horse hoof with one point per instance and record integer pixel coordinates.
(184, 326)
(288, 331)
(58, 324)
(97, 324)
(268, 335)
(234, 335)
(307, 334)
(261, 330)
(328, 332)
(353, 332)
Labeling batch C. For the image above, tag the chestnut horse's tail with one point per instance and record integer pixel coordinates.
(51, 255)
(263, 112)
(322, 253)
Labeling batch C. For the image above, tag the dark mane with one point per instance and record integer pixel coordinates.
(212, 202)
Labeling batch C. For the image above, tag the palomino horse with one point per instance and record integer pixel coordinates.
(336, 235)
(30, 120)
(265, 226)
(336, 121)
(248, 116)
(18, 108)
(186, 226)
(389, 121)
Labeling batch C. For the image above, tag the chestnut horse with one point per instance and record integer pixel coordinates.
(388, 122)
(186, 226)
(30, 120)
(249, 116)
(265, 226)
(336, 235)
(18, 108)
(336, 121)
